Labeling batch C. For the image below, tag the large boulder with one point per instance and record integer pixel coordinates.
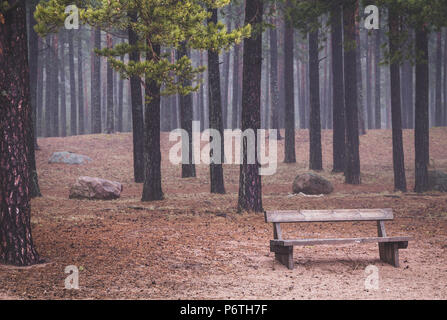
(437, 180)
(311, 183)
(95, 188)
(68, 157)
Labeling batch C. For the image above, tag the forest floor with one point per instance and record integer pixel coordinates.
(194, 245)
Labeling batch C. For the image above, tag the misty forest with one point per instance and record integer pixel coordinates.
(156, 148)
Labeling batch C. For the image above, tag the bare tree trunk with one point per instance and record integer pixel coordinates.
(250, 185)
(152, 169)
(16, 241)
(421, 132)
(315, 152)
(398, 149)
(339, 145)
(352, 169)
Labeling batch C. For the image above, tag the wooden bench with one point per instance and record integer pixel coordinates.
(283, 249)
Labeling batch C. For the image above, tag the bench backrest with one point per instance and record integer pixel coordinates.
(329, 215)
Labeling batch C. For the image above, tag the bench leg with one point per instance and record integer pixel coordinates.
(389, 253)
(284, 254)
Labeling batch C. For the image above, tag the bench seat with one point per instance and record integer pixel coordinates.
(283, 248)
(311, 242)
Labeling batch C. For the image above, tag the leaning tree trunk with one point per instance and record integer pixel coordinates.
(137, 111)
(289, 147)
(186, 117)
(250, 185)
(152, 169)
(16, 242)
(338, 103)
(421, 132)
(396, 116)
(215, 112)
(352, 169)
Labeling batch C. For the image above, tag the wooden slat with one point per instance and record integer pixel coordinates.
(311, 242)
(329, 215)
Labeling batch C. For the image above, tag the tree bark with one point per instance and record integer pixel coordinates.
(152, 169)
(438, 84)
(396, 117)
(215, 112)
(96, 85)
(81, 106)
(32, 136)
(137, 112)
(421, 132)
(110, 111)
(315, 153)
(250, 185)
(73, 98)
(16, 241)
(274, 79)
(338, 105)
(377, 75)
(352, 170)
(186, 117)
(63, 100)
(289, 147)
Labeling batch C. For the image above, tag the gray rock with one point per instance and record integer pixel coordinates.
(68, 158)
(311, 183)
(95, 188)
(437, 180)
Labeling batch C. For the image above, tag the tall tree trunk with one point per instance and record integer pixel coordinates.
(315, 153)
(369, 72)
(236, 87)
(110, 111)
(73, 103)
(421, 132)
(63, 100)
(360, 106)
(250, 185)
(137, 111)
(274, 78)
(377, 75)
(33, 76)
(55, 88)
(49, 58)
(289, 147)
(352, 170)
(215, 112)
(186, 117)
(40, 89)
(120, 102)
(96, 85)
(152, 169)
(81, 106)
(398, 149)
(16, 241)
(438, 100)
(338, 104)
